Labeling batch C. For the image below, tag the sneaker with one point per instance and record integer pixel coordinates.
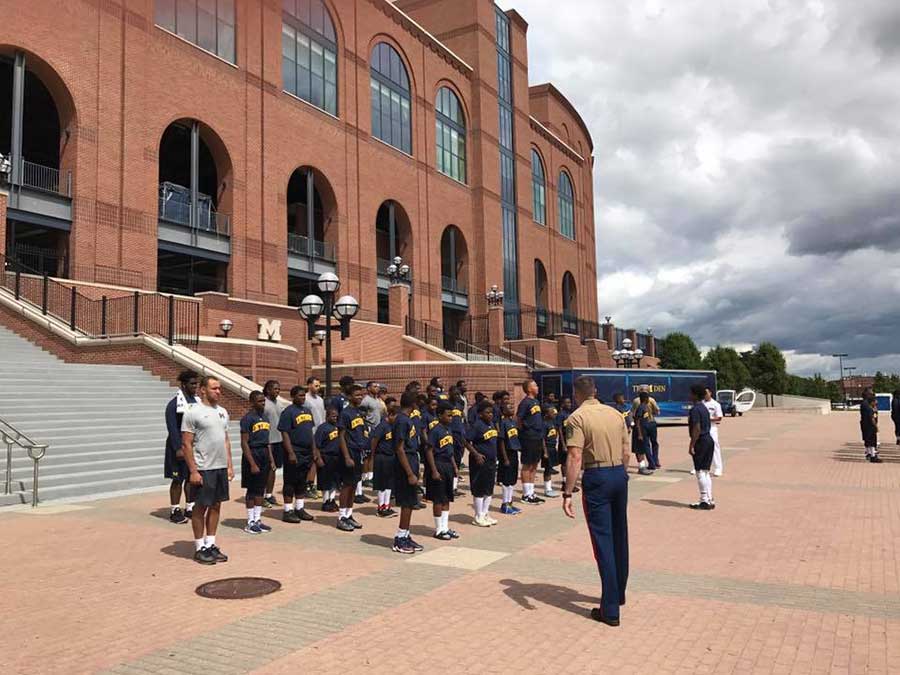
(381, 512)
(507, 509)
(344, 525)
(251, 528)
(270, 502)
(189, 513)
(352, 521)
(416, 546)
(693, 472)
(205, 557)
(443, 536)
(597, 615)
(305, 515)
(717, 474)
(480, 521)
(217, 554)
(644, 471)
(418, 506)
(402, 546)
(490, 521)
(290, 517)
(462, 465)
(532, 499)
(390, 512)
(367, 483)
(453, 534)
(330, 506)
(263, 527)
(515, 510)
(554, 472)
(876, 459)
(551, 494)
(703, 506)
(177, 516)
(360, 499)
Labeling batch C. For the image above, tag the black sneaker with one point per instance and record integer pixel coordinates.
(390, 513)
(344, 525)
(290, 517)
(402, 546)
(205, 556)
(703, 506)
(382, 512)
(330, 506)
(189, 513)
(453, 534)
(360, 499)
(597, 615)
(443, 536)
(876, 459)
(177, 516)
(416, 546)
(554, 472)
(367, 483)
(532, 499)
(220, 557)
(270, 502)
(303, 514)
(418, 506)
(352, 521)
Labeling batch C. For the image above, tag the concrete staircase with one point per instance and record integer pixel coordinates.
(104, 424)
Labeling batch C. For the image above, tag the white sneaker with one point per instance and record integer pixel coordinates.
(693, 472)
(550, 494)
(490, 521)
(479, 521)
(717, 474)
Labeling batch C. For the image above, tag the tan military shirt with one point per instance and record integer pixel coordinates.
(599, 431)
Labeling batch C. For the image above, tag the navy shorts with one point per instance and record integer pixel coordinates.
(508, 475)
(295, 474)
(532, 449)
(405, 495)
(440, 491)
(255, 484)
(278, 454)
(350, 476)
(481, 477)
(214, 489)
(703, 453)
(328, 476)
(384, 472)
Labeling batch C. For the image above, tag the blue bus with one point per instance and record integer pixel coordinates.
(670, 388)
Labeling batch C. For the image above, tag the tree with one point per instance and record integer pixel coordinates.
(678, 351)
(768, 370)
(881, 382)
(731, 371)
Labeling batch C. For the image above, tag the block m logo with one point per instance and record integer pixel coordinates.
(269, 330)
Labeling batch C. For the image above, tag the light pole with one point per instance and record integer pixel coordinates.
(341, 310)
(840, 358)
(494, 297)
(626, 357)
(398, 271)
(849, 370)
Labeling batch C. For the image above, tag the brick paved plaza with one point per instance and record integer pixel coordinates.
(796, 571)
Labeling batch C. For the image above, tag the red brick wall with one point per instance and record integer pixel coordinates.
(3, 220)
(256, 363)
(113, 121)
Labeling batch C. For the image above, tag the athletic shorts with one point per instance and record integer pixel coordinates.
(278, 454)
(328, 476)
(508, 475)
(350, 476)
(870, 437)
(440, 491)
(405, 495)
(214, 489)
(704, 449)
(532, 449)
(384, 472)
(249, 480)
(295, 474)
(177, 469)
(551, 460)
(481, 478)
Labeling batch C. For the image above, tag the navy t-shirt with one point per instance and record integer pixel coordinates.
(699, 415)
(866, 415)
(353, 421)
(383, 435)
(529, 412)
(257, 427)
(510, 434)
(441, 441)
(643, 416)
(561, 417)
(457, 422)
(338, 401)
(416, 416)
(328, 439)
(298, 423)
(406, 434)
(429, 421)
(551, 435)
(484, 437)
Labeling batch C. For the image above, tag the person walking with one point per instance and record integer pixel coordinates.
(868, 424)
(597, 441)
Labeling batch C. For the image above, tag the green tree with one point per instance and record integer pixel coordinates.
(882, 382)
(678, 351)
(768, 370)
(731, 371)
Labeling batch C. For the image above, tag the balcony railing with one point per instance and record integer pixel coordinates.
(38, 177)
(302, 245)
(457, 285)
(176, 211)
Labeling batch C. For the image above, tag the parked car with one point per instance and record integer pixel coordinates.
(734, 403)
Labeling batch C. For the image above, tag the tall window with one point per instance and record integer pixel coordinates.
(566, 206)
(570, 304)
(309, 53)
(391, 108)
(451, 135)
(209, 24)
(538, 189)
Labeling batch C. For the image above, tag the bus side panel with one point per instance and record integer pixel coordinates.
(681, 391)
(609, 384)
(658, 386)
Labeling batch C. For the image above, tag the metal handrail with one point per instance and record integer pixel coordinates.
(36, 451)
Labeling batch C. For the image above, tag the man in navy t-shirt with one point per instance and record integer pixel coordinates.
(440, 472)
(701, 448)
(255, 461)
(482, 439)
(328, 442)
(531, 436)
(354, 444)
(296, 425)
(407, 442)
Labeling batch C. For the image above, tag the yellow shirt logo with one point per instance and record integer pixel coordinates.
(412, 432)
(489, 434)
(551, 432)
(333, 434)
(512, 432)
(446, 440)
(260, 426)
(432, 424)
(356, 422)
(415, 413)
(456, 412)
(303, 417)
(389, 436)
(535, 409)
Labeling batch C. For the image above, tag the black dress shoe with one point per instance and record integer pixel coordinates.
(597, 615)
(876, 459)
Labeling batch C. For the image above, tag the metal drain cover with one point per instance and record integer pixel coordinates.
(238, 588)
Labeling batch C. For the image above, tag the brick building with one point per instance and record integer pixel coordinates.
(232, 150)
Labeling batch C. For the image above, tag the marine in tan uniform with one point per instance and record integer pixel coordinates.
(597, 441)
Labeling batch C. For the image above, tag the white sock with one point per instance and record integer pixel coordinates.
(288, 506)
(172, 508)
(445, 521)
(250, 517)
(371, 475)
(387, 497)
(476, 505)
(198, 544)
(380, 498)
(257, 512)
(359, 489)
(438, 523)
(455, 482)
(189, 506)
(210, 540)
(528, 488)
(486, 506)
(704, 483)
(343, 513)
(548, 486)
(350, 512)
(643, 464)
(268, 495)
(299, 503)
(400, 534)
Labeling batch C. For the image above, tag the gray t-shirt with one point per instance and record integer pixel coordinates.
(210, 427)
(272, 413)
(316, 407)
(371, 406)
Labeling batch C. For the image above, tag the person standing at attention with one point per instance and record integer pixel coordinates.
(207, 451)
(316, 406)
(255, 460)
(701, 447)
(597, 441)
(895, 413)
(272, 389)
(531, 435)
(715, 417)
(868, 425)
(175, 468)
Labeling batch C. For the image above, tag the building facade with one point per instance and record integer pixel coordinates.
(246, 146)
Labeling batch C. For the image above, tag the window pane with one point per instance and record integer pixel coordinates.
(303, 50)
(186, 21)
(317, 58)
(206, 30)
(226, 42)
(406, 123)
(395, 66)
(288, 41)
(316, 19)
(165, 14)
(331, 98)
(376, 109)
(226, 11)
(289, 75)
(330, 66)
(303, 11)
(385, 114)
(395, 118)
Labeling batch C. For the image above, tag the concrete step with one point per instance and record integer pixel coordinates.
(75, 466)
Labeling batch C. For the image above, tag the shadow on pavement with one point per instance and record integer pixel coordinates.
(233, 523)
(179, 549)
(556, 596)
(378, 540)
(162, 514)
(667, 502)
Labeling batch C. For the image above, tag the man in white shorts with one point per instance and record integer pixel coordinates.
(715, 418)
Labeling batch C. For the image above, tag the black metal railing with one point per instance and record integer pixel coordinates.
(537, 322)
(175, 207)
(173, 319)
(455, 285)
(303, 245)
(41, 260)
(37, 177)
(456, 343)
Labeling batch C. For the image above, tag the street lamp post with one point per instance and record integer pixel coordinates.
(626, 357)
(341, 310)
(840, 358)
(494, 297)
(398, 271)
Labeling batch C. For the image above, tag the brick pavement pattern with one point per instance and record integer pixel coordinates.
(795, 571)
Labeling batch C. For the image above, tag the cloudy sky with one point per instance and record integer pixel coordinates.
(747, 171)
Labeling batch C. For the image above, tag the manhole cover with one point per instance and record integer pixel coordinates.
(238, 588)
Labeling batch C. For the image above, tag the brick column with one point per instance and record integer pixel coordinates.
(3, 199)
(496, 332)
(651, 346)
(609, 334)
(398, 304)
(632, 334)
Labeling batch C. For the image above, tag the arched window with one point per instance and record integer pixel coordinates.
(451, 135)
(538, 189)
(570, 304)
(454, 258)
(391, 107)
(309, 53)
(566, 206)
(540, 298)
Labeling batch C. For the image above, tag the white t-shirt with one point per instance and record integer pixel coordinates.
(715, 411)
(209, 424)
